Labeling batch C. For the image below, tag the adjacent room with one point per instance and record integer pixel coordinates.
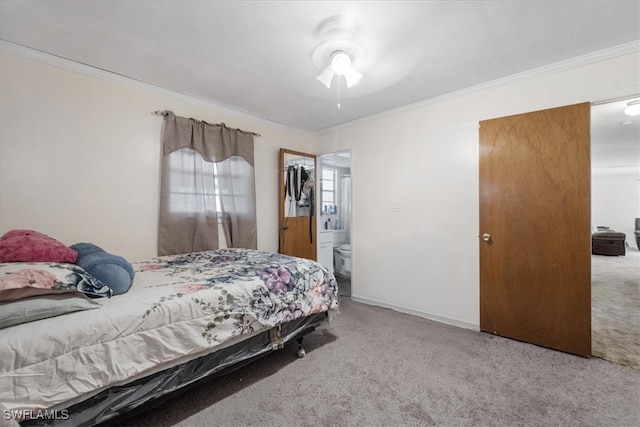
(330, 213)
(615, 259)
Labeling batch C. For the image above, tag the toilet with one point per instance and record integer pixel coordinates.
(341, 254)
(342, 260)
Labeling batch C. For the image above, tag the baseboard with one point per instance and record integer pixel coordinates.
(435, 317)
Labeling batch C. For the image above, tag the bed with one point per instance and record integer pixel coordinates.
(186, 318)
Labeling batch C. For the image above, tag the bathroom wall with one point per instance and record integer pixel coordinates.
(336, 221)
(340, 172)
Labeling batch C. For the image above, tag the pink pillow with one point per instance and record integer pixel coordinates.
(32, 246)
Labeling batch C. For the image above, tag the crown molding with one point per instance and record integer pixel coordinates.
(590, 58)
(67, 64)
(616, 170)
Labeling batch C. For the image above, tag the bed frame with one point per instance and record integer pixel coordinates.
(116, 404)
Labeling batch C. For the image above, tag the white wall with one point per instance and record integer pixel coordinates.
(80, 156)
(423, 160)
(79, 160)
(615, 200)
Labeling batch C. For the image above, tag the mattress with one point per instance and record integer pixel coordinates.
(179, 308)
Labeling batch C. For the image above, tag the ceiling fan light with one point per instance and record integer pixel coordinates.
(352, 77)
(325, 77)
(633, 108)
(340, 63)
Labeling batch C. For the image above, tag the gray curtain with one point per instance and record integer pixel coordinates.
(199, 161)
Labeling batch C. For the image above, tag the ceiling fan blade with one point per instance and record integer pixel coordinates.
(325, 77)
(352, 76)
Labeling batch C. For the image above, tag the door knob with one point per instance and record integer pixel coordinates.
(486, 237)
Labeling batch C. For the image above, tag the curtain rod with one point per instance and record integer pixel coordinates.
(165, 113)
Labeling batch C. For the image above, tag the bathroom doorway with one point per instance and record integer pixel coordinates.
(334, 216)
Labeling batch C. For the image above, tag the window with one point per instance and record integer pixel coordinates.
(198, 196)
(189, 194)
(328, 190)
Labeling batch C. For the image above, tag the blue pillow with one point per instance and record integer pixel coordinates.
(114, 271)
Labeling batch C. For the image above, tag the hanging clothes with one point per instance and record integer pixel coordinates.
(299, 182)
(293, 186)
(308, 190)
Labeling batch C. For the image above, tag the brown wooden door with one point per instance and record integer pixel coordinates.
(297, 230)
(535, 264)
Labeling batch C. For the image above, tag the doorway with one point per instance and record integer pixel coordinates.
(615, 204)
(335, 218)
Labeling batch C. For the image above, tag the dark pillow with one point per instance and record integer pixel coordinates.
(32, 246)
(112, 270)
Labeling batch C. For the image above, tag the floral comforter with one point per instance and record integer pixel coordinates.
(179, 308)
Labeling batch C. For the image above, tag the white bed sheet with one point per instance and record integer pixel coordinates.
(179, 308)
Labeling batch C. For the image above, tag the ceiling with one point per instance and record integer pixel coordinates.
(256, 56)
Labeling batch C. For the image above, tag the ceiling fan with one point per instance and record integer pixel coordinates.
(337, 53)
(341, 66)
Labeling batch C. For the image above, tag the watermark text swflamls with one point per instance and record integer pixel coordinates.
(30, 414)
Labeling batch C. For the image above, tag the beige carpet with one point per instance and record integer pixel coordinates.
(615, 308)
(377, 367)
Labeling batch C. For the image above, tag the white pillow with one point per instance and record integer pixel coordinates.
(42, 307)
